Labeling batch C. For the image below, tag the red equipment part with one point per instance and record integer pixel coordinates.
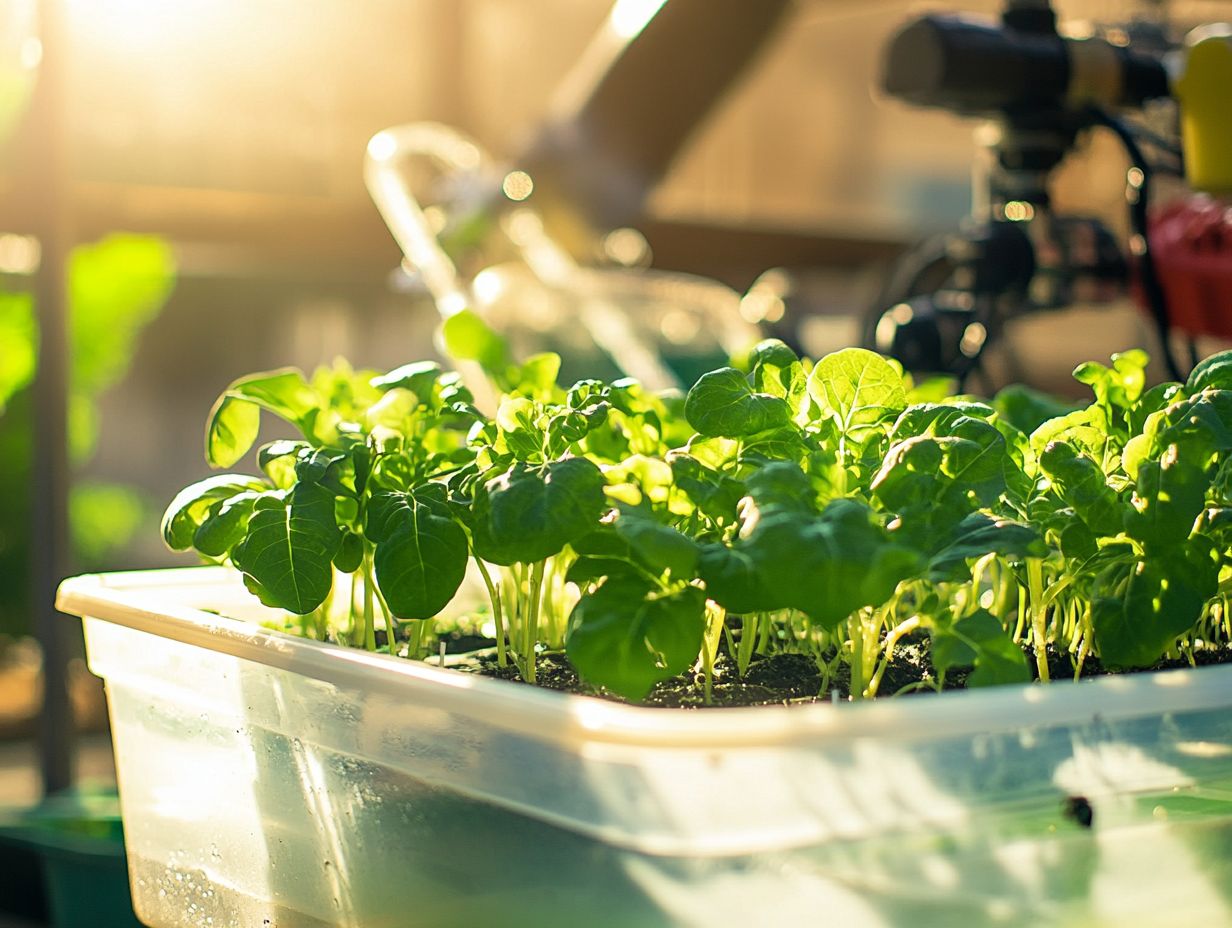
(1191, 241)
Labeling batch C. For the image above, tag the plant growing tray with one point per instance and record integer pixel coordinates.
(270, 780)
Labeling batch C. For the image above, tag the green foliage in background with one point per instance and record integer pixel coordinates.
(116, 286)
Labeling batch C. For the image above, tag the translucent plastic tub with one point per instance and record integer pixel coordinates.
(268, 780)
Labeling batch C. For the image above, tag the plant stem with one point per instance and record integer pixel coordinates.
(1035, 580)
(517, 617)
(1084, 646)
(414, 640)
(767, 630)
(391, 627)
(369, 613)
(716, 619)
(856, 629)
(748, 638)
(903, 628)
(531, 624)
(1020, 626)
(498, 620)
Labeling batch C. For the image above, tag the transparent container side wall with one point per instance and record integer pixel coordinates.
(253, 793)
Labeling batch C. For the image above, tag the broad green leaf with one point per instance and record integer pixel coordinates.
(859, 388)
(419, 378)
(235, 419)
(1138, 611)
(648, 473)
(350, 553)
(777, 371)
(1084, 429)
(226, 525)
(387, 511)
(393, 412)
(1153, 400)
(283, 392)
(722, 403)
(1027, 409)
(1117, 387)
(659, 547)
(716, 495)
(528, 514)
(978, 640)
(772, 352)
(421, 563)
(465, 336)
(732, 580)
(313, 465)
(831, 565)
(277, 459)
(781, 444)
(937, 418)
(714, 452)
(287, 555)
(519, 427)
(626, 638)
(587, 569)
(1000, 662)
(233, 427)
(781, 485)
(1200, 426)
(979, 534)
(934, 481)
(1214, 372)
(1168, 498)
(536, 375)
(1080, 482)
(191, 504)
(1077, 541)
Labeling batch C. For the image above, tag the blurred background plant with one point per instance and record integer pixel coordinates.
(116, 286)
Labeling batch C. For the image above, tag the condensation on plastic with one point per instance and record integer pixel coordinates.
(270, 780)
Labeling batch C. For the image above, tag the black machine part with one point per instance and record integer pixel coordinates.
(981, 67)
(1042, 89)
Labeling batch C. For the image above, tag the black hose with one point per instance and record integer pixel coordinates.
(1157, 301)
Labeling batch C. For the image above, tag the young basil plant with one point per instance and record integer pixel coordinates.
(833, 509)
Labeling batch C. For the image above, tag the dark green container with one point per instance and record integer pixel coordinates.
(77, 843)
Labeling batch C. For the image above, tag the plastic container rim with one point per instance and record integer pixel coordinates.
(153, 601)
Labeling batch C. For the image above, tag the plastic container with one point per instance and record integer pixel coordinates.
(268, 780)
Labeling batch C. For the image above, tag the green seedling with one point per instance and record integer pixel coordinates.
(788, 506)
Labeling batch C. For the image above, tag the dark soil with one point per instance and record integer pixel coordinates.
(788, 679)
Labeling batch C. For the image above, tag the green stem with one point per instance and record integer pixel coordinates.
(531, 624)
(903, 628)
(748, 638)
(391, 627)
(498, 620)
(369, 612)
(1020, 626)
(1006, 585)
(856, 629)
(1035, 580)
(716, 620)
(1084, 646)
(414, 640)
(517, 618)
(767, 631)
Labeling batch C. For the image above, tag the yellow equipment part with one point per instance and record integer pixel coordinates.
(1204, 91)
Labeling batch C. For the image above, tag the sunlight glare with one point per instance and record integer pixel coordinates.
(629, 17)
